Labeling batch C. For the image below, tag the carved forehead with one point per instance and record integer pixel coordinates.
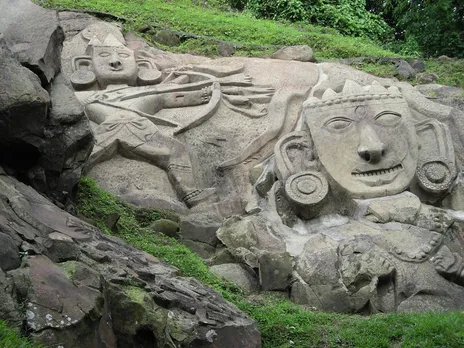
(119, 49)
(315, 117)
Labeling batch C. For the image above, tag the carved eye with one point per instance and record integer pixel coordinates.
(388, 118)
(104, 54)
(338, 123)
(123, 55)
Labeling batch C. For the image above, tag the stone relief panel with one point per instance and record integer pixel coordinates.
(352, 186)
(185, 125)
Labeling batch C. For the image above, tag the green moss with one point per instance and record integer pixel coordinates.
(240, 28)
(69, 268)
(10, 338)
(136, 294)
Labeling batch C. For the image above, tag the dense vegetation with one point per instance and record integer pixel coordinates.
(282, 323)
(9, 338)
(425, 27)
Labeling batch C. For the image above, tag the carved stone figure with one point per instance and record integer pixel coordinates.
(122, 118)
(359, 151)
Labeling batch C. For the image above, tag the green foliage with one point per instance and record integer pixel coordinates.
(257, 37)
(10, 338)
(350, 17)
(437, 26)
(449, 73)
(282, 323)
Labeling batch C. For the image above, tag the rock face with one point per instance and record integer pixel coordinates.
(320, 157)
(46, 137)
(34, 35)
(70, 283)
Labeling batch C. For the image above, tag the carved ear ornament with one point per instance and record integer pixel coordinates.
(306, 188)
(83, 77)
(436, 168)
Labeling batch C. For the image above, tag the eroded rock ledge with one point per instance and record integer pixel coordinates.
(64, 281)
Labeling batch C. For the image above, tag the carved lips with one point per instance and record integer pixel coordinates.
(375, 177)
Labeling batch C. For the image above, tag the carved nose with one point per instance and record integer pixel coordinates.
(116, 64)
(371, 148)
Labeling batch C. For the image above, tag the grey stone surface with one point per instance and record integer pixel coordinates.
(88, 289)
(418, 65)
(426, 77)
(226, 49)
(275, 271)
(167, 227)
(9, 253)
(34, 35)
(237, 274)
(200, 227)
(45, 138)
(301, 53)
(404, 69)
(167, 37)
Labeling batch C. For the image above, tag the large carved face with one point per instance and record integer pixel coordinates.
(114, 65)
(369, 147)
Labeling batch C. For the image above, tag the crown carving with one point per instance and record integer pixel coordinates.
(353, 92)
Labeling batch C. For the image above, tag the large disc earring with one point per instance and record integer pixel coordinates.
(83, 79)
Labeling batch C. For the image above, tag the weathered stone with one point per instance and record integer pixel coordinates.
(402, 208)
(418, 65)
(66, 109)
(62, 248)
(275, 271)
(200, 228)
(236, 274)
(301, 53)
(249, 232)
(226, 49)
(167, 37)
(110, 293)
(426, 77)
(167, 227)
(203, 250)
(404, 69)
(34, 35)
(9, 253)
(74, 22)
(444, 58)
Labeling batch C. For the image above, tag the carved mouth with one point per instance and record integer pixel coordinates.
(368, 173)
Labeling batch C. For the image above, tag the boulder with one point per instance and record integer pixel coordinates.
(167, 227)
(45, 138)
(167, 37)
(238, 275)
(79, 287)
(418, 65)
(404, 70)
(426, 77)
(275, 271)
(302, 53)
(226, 49)
(9, 253)
(34, 35)
(200, 227)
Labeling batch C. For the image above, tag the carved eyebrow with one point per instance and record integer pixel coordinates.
(387, 112)
(338, 118)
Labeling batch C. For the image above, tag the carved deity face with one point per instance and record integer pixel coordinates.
(114, 65)
(369, 147)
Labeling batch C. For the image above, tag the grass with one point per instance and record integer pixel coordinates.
(10, 338)
(282, 323)
(241, 28)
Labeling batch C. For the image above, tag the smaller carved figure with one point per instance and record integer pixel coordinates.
(126, 123)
